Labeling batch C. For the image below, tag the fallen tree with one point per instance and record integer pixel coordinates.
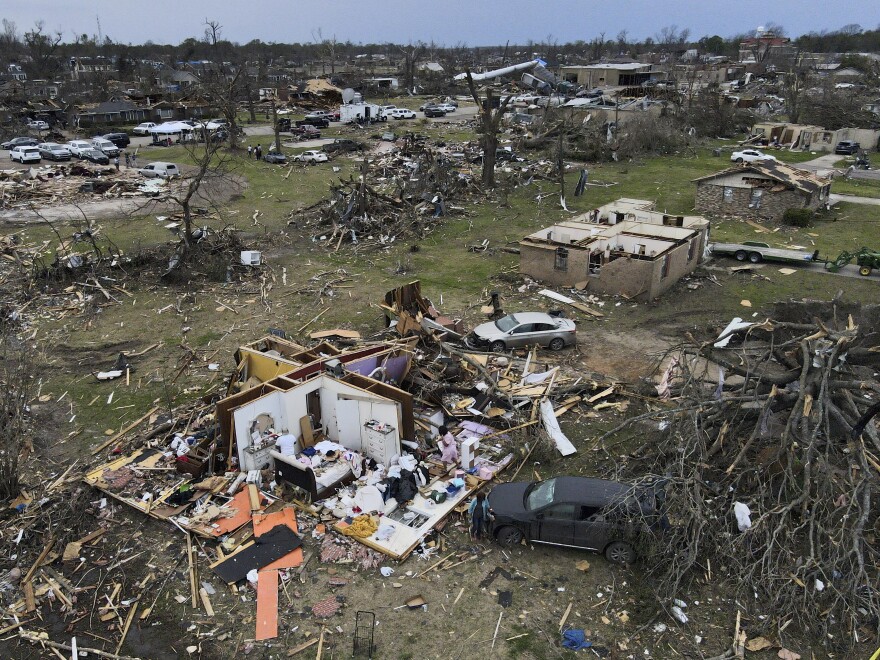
(770, 462)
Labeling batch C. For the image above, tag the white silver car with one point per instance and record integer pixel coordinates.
(103, 144)
(144, 128)
(447, 107)
(403, 113)
(25, 154)
(750, 156)
(53, 151)
(77, 147)
(524, 329)
(38, 125)
(312, 157)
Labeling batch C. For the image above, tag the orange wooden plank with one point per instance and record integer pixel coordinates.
(263, 523)
(242, 504)
(267, 604)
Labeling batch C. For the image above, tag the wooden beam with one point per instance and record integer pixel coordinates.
(33, 569)
(128, 428)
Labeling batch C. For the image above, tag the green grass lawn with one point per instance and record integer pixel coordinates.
(454, 277)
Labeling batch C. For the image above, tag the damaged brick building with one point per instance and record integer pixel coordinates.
(760, 191)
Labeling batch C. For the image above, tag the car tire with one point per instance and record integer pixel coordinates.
(865, 271)
(755, 257)
(739, 160)
(620, 552)
(556, 344)
(508, 535)
(741, 255)
(497, 347)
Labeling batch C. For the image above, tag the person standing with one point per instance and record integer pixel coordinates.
(448, 446)
(258, 152)
(250, 151)
(128, 160)
(134, 159)
(116, 162)
(479, 515)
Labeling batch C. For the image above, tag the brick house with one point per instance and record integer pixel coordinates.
(621, 248)
(760, 191)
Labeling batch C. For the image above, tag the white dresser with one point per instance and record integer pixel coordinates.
(379, 442)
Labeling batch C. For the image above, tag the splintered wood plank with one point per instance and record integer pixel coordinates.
(267, 604)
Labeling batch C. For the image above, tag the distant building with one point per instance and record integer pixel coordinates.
(625, 74)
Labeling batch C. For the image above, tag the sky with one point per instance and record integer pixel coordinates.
(446, 22)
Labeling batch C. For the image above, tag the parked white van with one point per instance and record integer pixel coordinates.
(161, 170)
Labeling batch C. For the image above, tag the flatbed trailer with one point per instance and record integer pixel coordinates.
(756, 252)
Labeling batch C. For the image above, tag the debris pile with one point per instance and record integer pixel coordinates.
(73, 182)
(772, 460)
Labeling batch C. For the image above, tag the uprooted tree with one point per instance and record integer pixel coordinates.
(776, 425)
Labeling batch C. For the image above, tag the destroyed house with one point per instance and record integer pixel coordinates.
(623, 248)
(624, 74)
(760, 191)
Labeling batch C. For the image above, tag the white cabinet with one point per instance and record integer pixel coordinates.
(257, 459)
(379, 442)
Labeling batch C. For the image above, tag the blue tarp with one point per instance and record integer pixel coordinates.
(575, 639)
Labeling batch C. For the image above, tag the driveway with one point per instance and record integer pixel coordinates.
(824, 166)
(854, 199)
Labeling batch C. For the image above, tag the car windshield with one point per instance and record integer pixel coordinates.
(506, 323)
(540, 494)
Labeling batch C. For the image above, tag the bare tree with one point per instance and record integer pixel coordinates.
(411, 56)
(212, 31)
(489, 123)
(211, 175)
(42, 48)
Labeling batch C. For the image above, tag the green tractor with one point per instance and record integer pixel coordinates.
(866, 259)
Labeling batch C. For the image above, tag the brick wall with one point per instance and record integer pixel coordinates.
(640, 279)
(710, 201)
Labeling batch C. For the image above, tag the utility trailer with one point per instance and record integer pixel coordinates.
(756, 252)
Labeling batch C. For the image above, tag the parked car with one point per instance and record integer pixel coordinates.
(318, 121)
(388, 109)
(103, 144)
(53, 151)
(144, 128)
(307, 132)
(312, 157)
(524, 329)
(76, 147)
(434, 111)
(20, 142)
(160, 170)
(342, 145)
(847, 147)
(25, 153)
(94, 156)
(580, 512)
(428, 104)
(447, 107)
(38, 125)
(275, 157)
(750, 156)
(121, 140)
(403, 113)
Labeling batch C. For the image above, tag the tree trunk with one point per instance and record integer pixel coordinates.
(275, 125)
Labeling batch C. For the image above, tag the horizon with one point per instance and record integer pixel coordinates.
(475, 25)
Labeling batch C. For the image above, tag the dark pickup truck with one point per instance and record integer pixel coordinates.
(318, 122)
(342, 145)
